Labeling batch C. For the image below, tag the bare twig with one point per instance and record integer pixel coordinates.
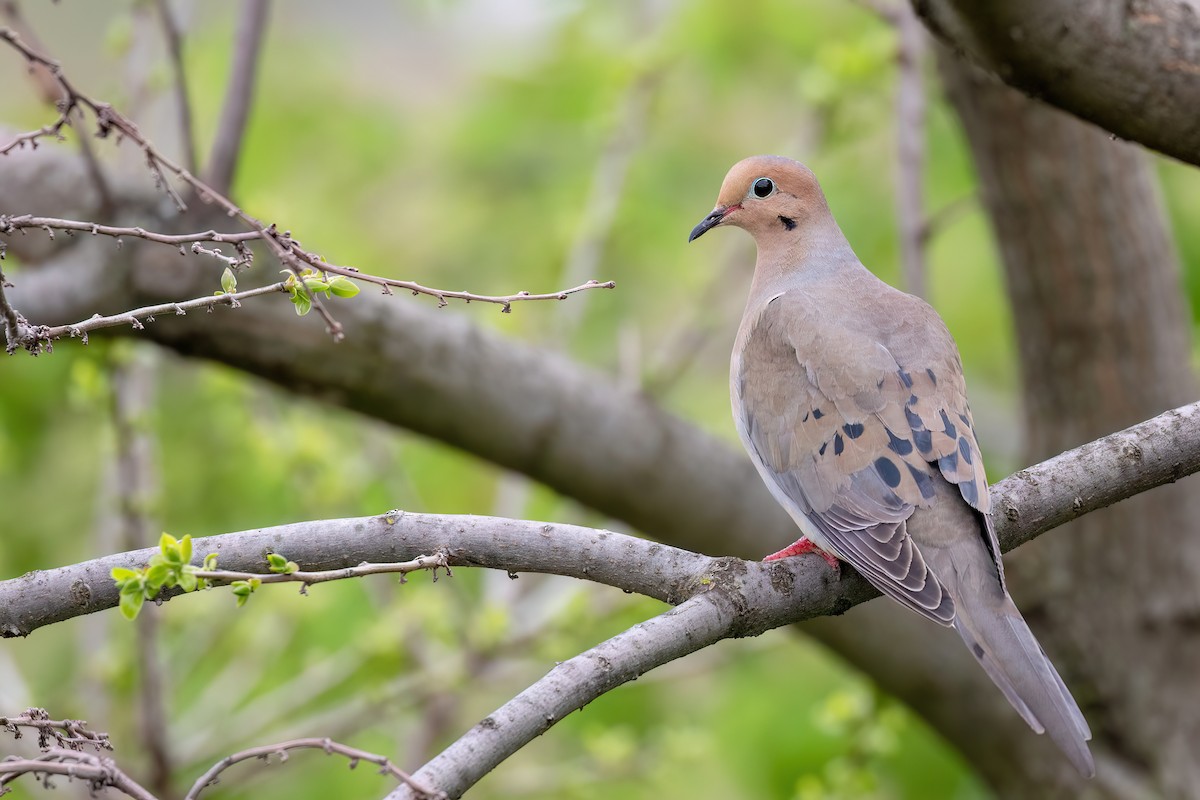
(99, 772)
(285, 248)
(329, 747)
(227, 145)
(69, 734)
(15, 327)
(432, 563)
(174, 40)
(38, 337)
(28, 221)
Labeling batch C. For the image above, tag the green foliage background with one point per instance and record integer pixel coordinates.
(457, 143)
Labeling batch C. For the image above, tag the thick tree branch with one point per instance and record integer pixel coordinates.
(718, 597)
(1133, 68)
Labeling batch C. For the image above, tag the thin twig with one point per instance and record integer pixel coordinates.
(330, 747)
(41, 335)
(174, 39)
(99, 771)
(70, 734)
(285, 248)
(14, 324)
(227, 145)
(26, 221)
(432, 563)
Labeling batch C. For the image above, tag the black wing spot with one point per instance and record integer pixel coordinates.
(924, 483)
(788, 222)
(966, 421)
(932, 377)
(906, 379)
(900, 447)
(964, 450)
(977, 650)
(839, 444)
(805, 417)
(923, 440)
(817, 413)
(888, 471)
(821, 451)
(970, 493)
(949, 463)
(853, 430)
(948, 426)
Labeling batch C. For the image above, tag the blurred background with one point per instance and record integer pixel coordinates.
(494, 146)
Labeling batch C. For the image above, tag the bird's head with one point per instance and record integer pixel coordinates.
(768, 196)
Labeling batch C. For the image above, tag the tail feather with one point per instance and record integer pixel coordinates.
(1016, 663)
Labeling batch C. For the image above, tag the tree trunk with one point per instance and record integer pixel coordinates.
(1103, 336)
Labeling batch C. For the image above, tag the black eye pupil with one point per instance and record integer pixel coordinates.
(763, 187)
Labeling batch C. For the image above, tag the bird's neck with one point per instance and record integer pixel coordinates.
(817, 251)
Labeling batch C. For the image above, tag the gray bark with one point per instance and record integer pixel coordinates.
(1131, 67)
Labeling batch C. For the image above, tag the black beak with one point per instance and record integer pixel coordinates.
(709, 222)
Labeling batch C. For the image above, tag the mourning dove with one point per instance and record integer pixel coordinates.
(850, 398)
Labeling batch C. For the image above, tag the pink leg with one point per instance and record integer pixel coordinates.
(802, 546)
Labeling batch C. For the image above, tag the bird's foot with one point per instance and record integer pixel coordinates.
(802, 546)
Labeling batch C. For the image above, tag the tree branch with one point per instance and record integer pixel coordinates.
(718, 597)
(1130, 68)
(227, 145)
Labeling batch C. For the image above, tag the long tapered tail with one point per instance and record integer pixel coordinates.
(998, 637)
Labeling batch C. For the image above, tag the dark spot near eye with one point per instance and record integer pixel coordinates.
(923, 440)
(932, 377)
(977, 650)
(964, 450)
(923, 481)
(817, 413)
(888, 471)
(906, 378)
(838, 444)
(949, 463)
(853, 430)
(821, 452)
(948, 426)
(970, 492)
(900, 447)
(788, 222)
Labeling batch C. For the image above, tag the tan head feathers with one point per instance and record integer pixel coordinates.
(765, 193)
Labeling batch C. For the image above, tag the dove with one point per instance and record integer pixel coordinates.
(849, 396)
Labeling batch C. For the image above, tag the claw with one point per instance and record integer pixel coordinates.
(803, 546)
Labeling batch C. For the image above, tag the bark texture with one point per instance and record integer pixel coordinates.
(1132, 67)
(1103, 335)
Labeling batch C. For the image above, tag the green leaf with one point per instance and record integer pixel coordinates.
(228, 281)
(343, 286)
(156, 577)
(122, 574)
(187, 581)
(277, 562)
(302, 302)
(210, 562)
(131, 604)
(185, 548)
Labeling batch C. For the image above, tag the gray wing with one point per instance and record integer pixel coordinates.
(850, 438)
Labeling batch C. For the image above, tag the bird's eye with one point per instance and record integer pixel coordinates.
(763, 187)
